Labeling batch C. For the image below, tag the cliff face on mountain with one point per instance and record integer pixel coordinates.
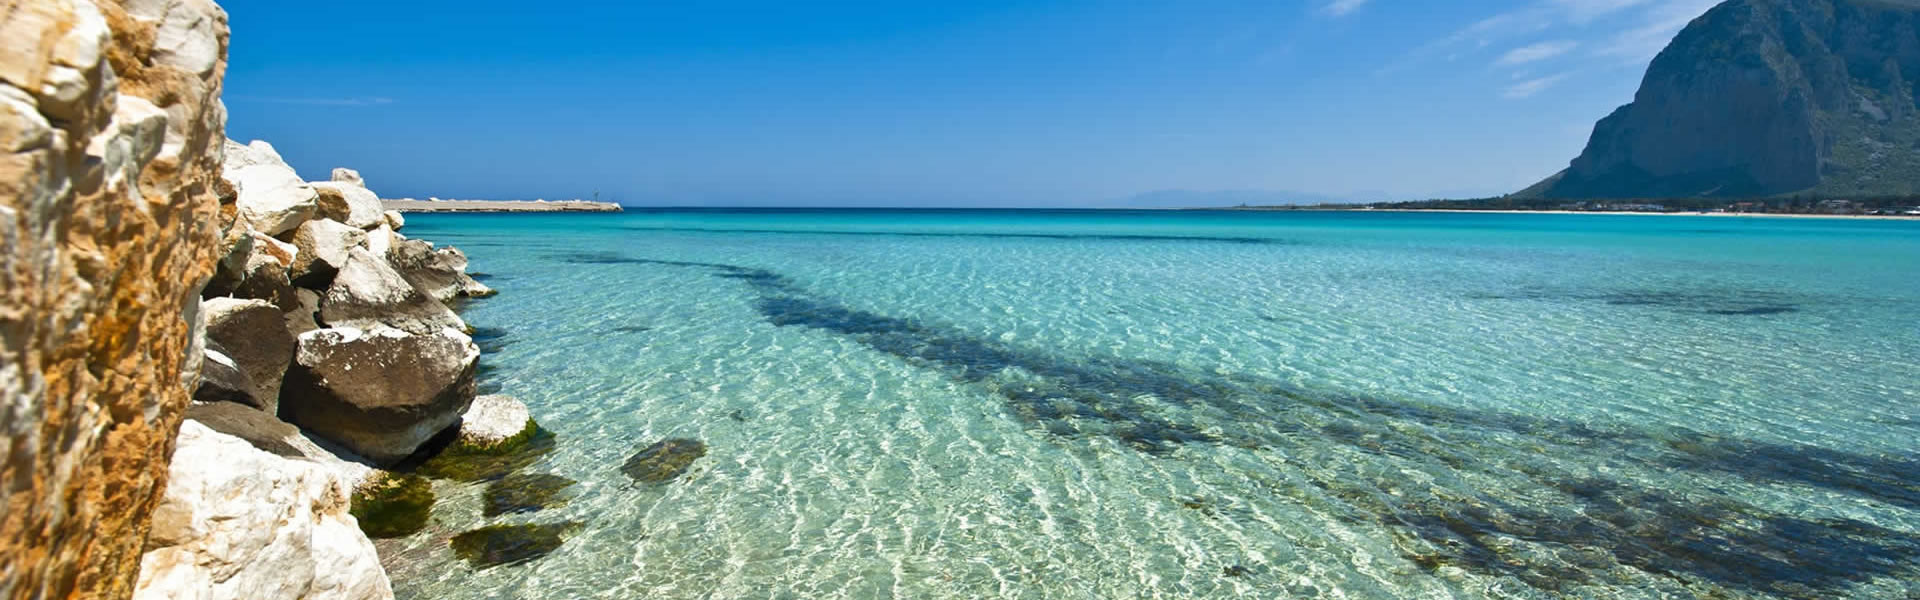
(110, 129)
(1766, 97)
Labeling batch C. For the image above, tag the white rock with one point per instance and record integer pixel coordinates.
(239, 523)
(492, 419)
(363, 209)
(382, 239)
(323, 246)
(348, 176)
(368, 292)
(395, 219)
(273, 199)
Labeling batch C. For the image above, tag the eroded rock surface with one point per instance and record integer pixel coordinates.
(368, 293)
(239, 523)
(110, 128)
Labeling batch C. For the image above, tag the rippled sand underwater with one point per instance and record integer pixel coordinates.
(959, 404)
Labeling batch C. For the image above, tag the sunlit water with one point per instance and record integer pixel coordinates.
(1203, 405)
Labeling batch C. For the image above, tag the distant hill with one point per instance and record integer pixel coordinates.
(1766, 98)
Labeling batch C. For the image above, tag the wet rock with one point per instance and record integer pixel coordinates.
(463, 461)
(254, 334)
(493, 421)
(222, 380)
(497, 545)
(380, 392)
(393, 505)
(525, 493)
(323, 246)
(441, 273)
(367, 293)
(351, 204)
(664, 460)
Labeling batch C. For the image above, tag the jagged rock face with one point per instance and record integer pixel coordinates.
(368, 293)
(110, 133)
(381, 392)
(1766, 97)
(240, 523)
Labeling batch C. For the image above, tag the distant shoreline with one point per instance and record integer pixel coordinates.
(1575, 212)
(497, 206)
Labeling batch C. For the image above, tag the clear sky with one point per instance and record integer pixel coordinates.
(974, 103)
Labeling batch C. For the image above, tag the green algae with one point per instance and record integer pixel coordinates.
(468, 461)
(664, 460)
(393, 505)
(496, 545)
(526, 492)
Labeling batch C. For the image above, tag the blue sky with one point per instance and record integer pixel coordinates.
(979, 103)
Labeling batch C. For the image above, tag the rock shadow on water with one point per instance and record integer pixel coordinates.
(664, 461)
(500, 545)
(524, 493)
(1592, 526)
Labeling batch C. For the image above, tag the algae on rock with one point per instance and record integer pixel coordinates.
(496, 545)
(393, 505)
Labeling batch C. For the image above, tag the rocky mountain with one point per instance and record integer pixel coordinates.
(1765, 98)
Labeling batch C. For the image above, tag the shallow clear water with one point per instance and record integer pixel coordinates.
(956, 404)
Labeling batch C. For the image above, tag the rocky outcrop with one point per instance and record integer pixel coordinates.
(1766, 97)
(381, 392)
(494, 419)
(110, 133)
(272, 198)
(239, 523)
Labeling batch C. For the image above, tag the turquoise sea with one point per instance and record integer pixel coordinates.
(1062, 404)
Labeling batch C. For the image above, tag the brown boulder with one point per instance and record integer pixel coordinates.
(380, 392)
(254, 333)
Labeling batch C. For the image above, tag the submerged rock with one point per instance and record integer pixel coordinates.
(497, 545)
(393, 505)
(493, 420)
(524, 493)
(664, 460)
(383, 393)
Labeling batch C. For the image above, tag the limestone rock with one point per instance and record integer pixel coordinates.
(380, 392)
(441, 273)
(273, 199)
(368, 293)
(357, 207)
(1762, 98)
(110, 125)
(254, 333)
(493, 419)
(240, 523)
(348, 176)
(382, 239)
(323, 246)
(270, 434)
(395, 219)
(259, 267)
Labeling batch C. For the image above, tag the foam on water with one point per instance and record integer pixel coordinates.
(959, 404)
